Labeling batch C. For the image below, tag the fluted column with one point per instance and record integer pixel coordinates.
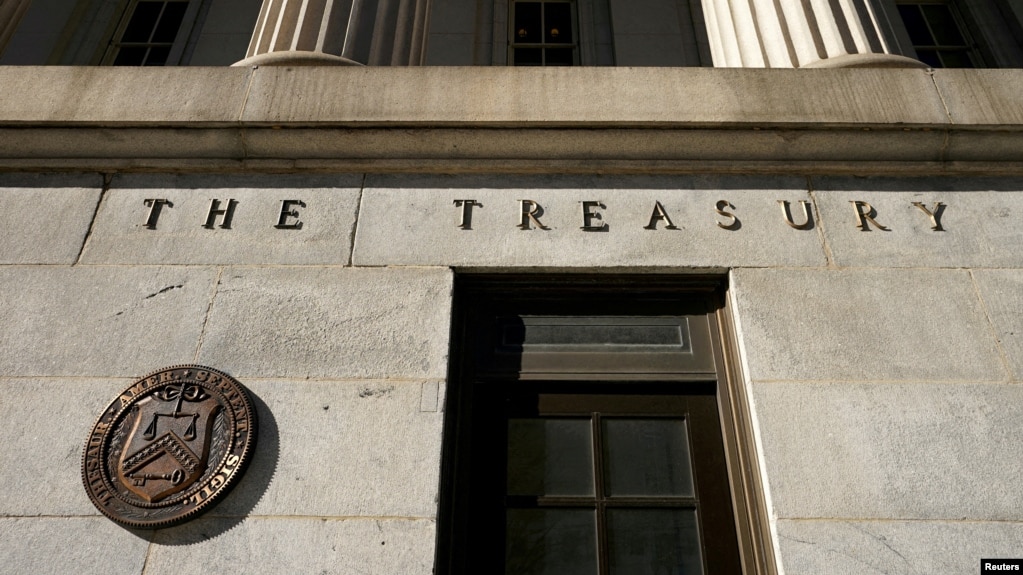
(801, 34)
(338, 32)
(11, 12)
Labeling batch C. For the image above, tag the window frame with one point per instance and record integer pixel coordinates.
(177, 46)
(576, 44)
(995, 33)
(470, 385)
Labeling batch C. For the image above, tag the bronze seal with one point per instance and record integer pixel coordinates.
(169, 447)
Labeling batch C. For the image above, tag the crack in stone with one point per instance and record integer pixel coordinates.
(164, 290)
(881, 540)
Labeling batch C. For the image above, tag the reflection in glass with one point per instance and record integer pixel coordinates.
(943, 25)
(551, 542)
(528, 25)
(550, 457)
(647, 457)
(557, 23)
(654, 542)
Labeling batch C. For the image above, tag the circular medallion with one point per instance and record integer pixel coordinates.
(169, 447)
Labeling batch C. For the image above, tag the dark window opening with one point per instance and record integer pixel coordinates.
(939, 35)
(147, 37)
(543, 33)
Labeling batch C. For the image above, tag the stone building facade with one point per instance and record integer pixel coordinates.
(418, 256)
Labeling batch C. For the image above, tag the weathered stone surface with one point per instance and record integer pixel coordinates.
(44, 424)
(894, 547)
(332, 322)
(45, 218)
(83, 545)
(100, 321)
(120, 234)
(893, 451)
(864, 324)
(981, 219)
(1002, 292)
(429, 234)
(984, 97)
(593, 94)
(118, 94)
(346, 448)
(295, 545)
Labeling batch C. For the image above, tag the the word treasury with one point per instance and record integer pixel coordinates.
(528, 214)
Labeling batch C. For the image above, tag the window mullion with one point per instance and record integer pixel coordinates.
(599, 493)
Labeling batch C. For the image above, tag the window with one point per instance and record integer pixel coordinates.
(591, 431)
(147, 33)
(938, 34)
(543, 33)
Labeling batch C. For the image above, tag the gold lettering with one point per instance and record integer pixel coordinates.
(215, 212)
(787, 214)
(288, 212)
(530, 211)
(659, 214)
(465, 221)
(734, 222)
(589, 215)
(155, 205)
(865, 214)
(934, 213)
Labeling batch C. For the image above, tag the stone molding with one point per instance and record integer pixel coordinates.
(506, 119)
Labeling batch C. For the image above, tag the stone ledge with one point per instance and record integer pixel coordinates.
(463, 119)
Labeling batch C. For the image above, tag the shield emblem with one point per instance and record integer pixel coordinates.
(169, 442)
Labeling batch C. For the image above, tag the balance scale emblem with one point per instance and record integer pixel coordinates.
(169, 441)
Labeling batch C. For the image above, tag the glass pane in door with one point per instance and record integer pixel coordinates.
(551, 542)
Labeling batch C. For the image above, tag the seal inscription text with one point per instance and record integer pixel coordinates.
(169, 447)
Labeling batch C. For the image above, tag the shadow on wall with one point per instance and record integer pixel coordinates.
(234, 508)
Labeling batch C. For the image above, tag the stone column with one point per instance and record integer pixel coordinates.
(802, 34)
(338, 32)
(11, 12)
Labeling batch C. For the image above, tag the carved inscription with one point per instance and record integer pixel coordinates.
(289, 212)
(865, 214)
(155, 206)
(169, 446)
(215, 212)
(592, 215)
(530, 211)
(787, 214)
(731, 222)
(593, 218)
(659, 215)
(933, 213)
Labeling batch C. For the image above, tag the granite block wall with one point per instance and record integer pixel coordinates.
(882, 357)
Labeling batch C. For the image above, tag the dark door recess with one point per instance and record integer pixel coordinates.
(584, 431)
